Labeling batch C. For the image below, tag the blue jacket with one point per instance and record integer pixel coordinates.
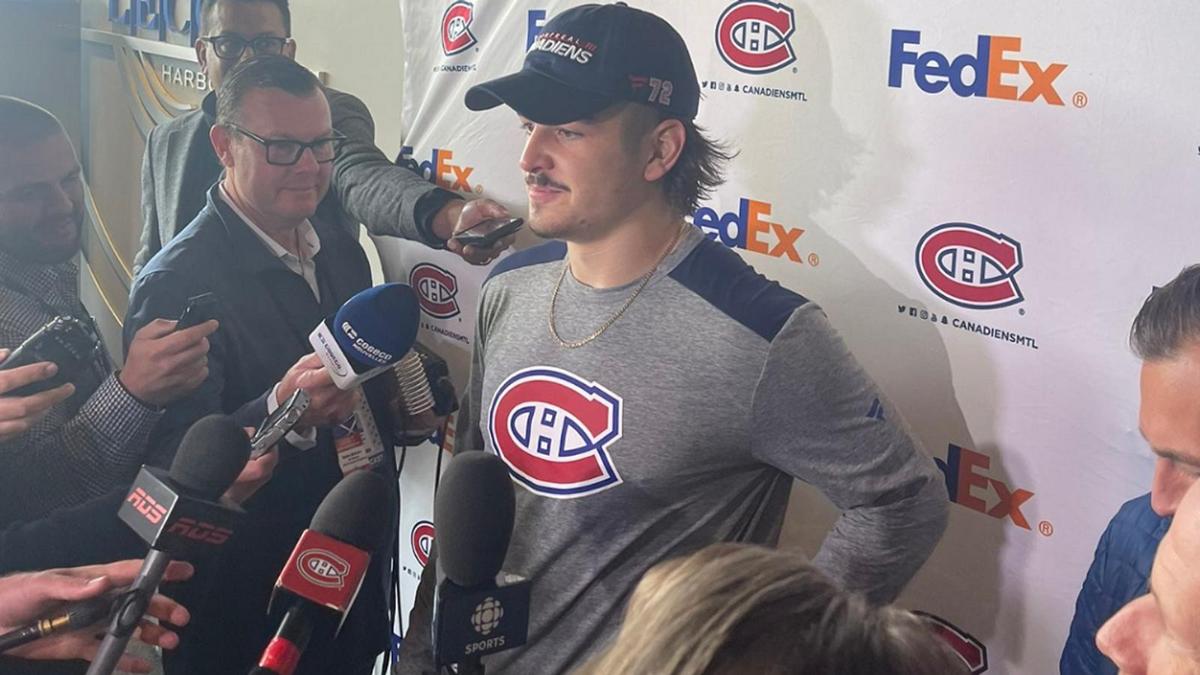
(1119, 573)
(266, 313)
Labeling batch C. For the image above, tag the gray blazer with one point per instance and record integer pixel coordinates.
(180, 165)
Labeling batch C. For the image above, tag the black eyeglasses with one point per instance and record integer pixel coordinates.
(233, 46)
(286, 152)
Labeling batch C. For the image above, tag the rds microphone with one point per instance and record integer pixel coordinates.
(368, 334)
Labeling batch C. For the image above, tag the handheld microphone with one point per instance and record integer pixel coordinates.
(325, 571)
(180, 514)
(370, 333)
(73, 617)
(478, 610)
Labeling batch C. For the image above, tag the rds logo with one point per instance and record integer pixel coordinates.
(752, 36)
(422, 541)
(439, 169)
(750, 230)
(970, 266)
(933, 70)
(436, 289)
(554, 431)
(961, 474)
(456, 28)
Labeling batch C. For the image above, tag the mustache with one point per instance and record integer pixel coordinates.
(541, 180)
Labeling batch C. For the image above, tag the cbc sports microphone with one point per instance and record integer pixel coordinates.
(370, 333)
(325, 571)
(478, 610)
(181, 515)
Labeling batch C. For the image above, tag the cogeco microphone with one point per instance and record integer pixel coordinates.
(368, 334)
(325, 571)
(478, 609)
(181, 515)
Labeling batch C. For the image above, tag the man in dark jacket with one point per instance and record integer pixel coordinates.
(277, 270)
(1166, 336)
(179, 164)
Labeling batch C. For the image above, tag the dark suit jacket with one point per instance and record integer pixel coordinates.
(180, 165)
(266, 313)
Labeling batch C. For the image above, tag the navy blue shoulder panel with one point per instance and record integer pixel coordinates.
(538, 255)
(731, 285)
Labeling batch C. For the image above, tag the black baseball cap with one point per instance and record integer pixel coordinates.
(592, 56)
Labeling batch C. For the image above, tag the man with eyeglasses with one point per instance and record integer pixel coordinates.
(262, 246)
(84, 438)
(179, 164)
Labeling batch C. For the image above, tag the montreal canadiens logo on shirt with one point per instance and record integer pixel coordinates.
(554, 430)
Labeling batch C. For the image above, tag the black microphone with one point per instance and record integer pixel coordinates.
(478, 610)
(325, 571)
(73, 617)
(181, 515)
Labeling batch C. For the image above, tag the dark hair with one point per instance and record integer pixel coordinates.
(1169, 320)
(23, 123)
(209, 5)
(701, 164)
(263, 72)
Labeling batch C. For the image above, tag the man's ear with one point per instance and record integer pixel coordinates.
(667, 140)
(222, 141)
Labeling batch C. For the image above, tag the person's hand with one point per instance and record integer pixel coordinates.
(465, 215)
(26, 597)
(19, 413)
(163, 364)
(328, 405)
(254, 475)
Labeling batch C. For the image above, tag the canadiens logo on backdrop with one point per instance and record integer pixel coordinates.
(969, 485)
(754, 36)
(970, 266)
(441, 170)
(422, 541)
(750, 229)
(555, 432)
(967, 646)
(456, 28)
(988, 73)
(436, 289)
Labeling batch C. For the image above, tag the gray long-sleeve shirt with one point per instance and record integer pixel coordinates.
(681, 426)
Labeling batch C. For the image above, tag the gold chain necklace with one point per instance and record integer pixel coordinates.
(600, 331)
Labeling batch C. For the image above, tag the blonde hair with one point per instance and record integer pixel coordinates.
(733, 608)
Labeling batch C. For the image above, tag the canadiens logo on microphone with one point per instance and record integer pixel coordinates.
(753, 36)
(555, 431)
(323, 568)
(436, 290)
(456, 28)
(422, 541)
(970, 266)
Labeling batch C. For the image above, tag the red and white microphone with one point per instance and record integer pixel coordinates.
(326, 569)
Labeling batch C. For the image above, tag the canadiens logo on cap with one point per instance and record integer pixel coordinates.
(566, 46)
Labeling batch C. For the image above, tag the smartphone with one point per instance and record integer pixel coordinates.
(66, 342)
(485, 234)
(200, 308)
(278, 423)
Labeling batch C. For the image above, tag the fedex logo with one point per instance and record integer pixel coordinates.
(534, 20)
(441, 170)
(970, 486)
(147, 506)
(994, 73)
(749, 229)
(200, 531)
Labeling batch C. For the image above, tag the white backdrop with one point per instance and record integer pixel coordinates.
(982, 254)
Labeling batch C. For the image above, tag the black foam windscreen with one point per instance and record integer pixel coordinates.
(473, 514)
(210, 456)
(357, 511)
